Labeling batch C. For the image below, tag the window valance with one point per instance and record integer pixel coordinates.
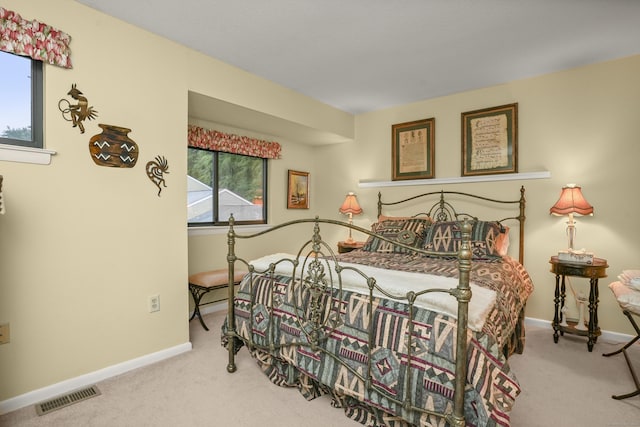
(34, 39)
(219, 141)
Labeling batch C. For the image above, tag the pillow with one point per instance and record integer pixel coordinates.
(407, 231)
(629, 299)
(397, 218)
(502, 242)
(631, 278)
(489, 240)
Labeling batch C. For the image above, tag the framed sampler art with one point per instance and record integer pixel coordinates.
(490, 141)
(298, 190)
(413, 149)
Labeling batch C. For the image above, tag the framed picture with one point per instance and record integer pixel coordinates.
(490, 141)
(413, 149)
(298, 190)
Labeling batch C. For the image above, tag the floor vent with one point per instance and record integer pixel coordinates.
(66, 400)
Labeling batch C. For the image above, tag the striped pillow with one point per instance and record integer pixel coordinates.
(407, 231)
(488, 239)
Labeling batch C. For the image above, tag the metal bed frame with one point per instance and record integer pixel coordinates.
(444, 211)
(311, 273)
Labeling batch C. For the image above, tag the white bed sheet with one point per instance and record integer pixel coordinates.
(397, 283)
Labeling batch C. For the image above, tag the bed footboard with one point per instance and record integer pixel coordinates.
(303, 315)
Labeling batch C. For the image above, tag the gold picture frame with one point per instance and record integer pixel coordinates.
(297, 190)
(490, 141)
(413, 149)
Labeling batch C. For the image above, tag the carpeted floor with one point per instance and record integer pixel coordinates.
(563, 385)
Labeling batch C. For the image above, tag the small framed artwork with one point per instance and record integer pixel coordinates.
(490, 141)
(298, 190)
(413, 149)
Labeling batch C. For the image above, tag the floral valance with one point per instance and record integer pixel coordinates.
(229, 143)
(34, 39)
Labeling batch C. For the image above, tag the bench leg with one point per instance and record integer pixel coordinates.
(197, 293)
(623, 350)
(635, 380)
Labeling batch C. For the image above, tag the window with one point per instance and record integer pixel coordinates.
(221, 184)
(21, 119)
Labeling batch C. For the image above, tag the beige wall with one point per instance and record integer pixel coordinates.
(580, 125)
(83, 247)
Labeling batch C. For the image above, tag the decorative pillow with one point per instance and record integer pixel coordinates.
(407, 231)
(502, 242)
(629, 299)
(631, 278)
(488, 239)
(399, 218)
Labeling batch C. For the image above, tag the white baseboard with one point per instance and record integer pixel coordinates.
(609, 336)
(45, 393)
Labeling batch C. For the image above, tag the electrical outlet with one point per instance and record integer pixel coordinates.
(4, 333)
(154, 303)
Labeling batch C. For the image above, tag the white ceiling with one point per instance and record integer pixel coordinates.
(364, 55)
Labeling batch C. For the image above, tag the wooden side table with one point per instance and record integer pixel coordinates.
(593, 272)
(348, 247)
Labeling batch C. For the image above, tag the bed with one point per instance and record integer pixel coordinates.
(415, 328)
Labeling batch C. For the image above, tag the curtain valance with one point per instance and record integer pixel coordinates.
(34, 39)
(219, 141)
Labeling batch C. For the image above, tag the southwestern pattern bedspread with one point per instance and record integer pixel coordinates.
(506, 276)
(365, 359)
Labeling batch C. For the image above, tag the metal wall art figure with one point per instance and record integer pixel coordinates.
(79, 112)
(156, 170)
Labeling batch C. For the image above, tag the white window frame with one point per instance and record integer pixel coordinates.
(30, 151)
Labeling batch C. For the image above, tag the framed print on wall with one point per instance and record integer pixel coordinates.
(490, 141)
(298, 190)
(413, 149)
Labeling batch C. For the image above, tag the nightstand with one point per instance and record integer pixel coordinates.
(344, 247)
(594, 271)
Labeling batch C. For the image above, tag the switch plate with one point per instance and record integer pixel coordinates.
(4, 333)
(154, 303)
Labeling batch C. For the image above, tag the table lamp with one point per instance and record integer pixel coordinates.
(571, 202)
(350, 207)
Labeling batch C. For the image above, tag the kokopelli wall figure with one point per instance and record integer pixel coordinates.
(156, 170)
(79, 112)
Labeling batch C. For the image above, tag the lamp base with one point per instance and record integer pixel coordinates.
(579, 257)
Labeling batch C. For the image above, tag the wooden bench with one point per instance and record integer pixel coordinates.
(204, 282)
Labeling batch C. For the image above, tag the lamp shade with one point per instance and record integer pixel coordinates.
(571, 201)
(350, 205)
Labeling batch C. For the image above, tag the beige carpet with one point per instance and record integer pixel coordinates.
(562, 384)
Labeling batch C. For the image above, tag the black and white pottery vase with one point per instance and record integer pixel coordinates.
(113, 147)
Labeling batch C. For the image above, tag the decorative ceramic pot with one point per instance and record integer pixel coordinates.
(113, 147)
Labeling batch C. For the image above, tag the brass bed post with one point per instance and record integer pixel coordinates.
(521, 219)
(231, 318)
(463, 295)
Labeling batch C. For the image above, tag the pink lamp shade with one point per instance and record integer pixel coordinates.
(351, 207)
(571, 202)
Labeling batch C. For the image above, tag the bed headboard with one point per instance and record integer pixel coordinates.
(442, 209)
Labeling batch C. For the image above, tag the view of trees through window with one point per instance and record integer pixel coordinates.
(23, 133)
(237, 188)
(21, 100)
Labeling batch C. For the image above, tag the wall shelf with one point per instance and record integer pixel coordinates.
(457, 179)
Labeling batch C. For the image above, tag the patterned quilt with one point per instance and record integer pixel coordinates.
(364, 357)
(505, 275)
